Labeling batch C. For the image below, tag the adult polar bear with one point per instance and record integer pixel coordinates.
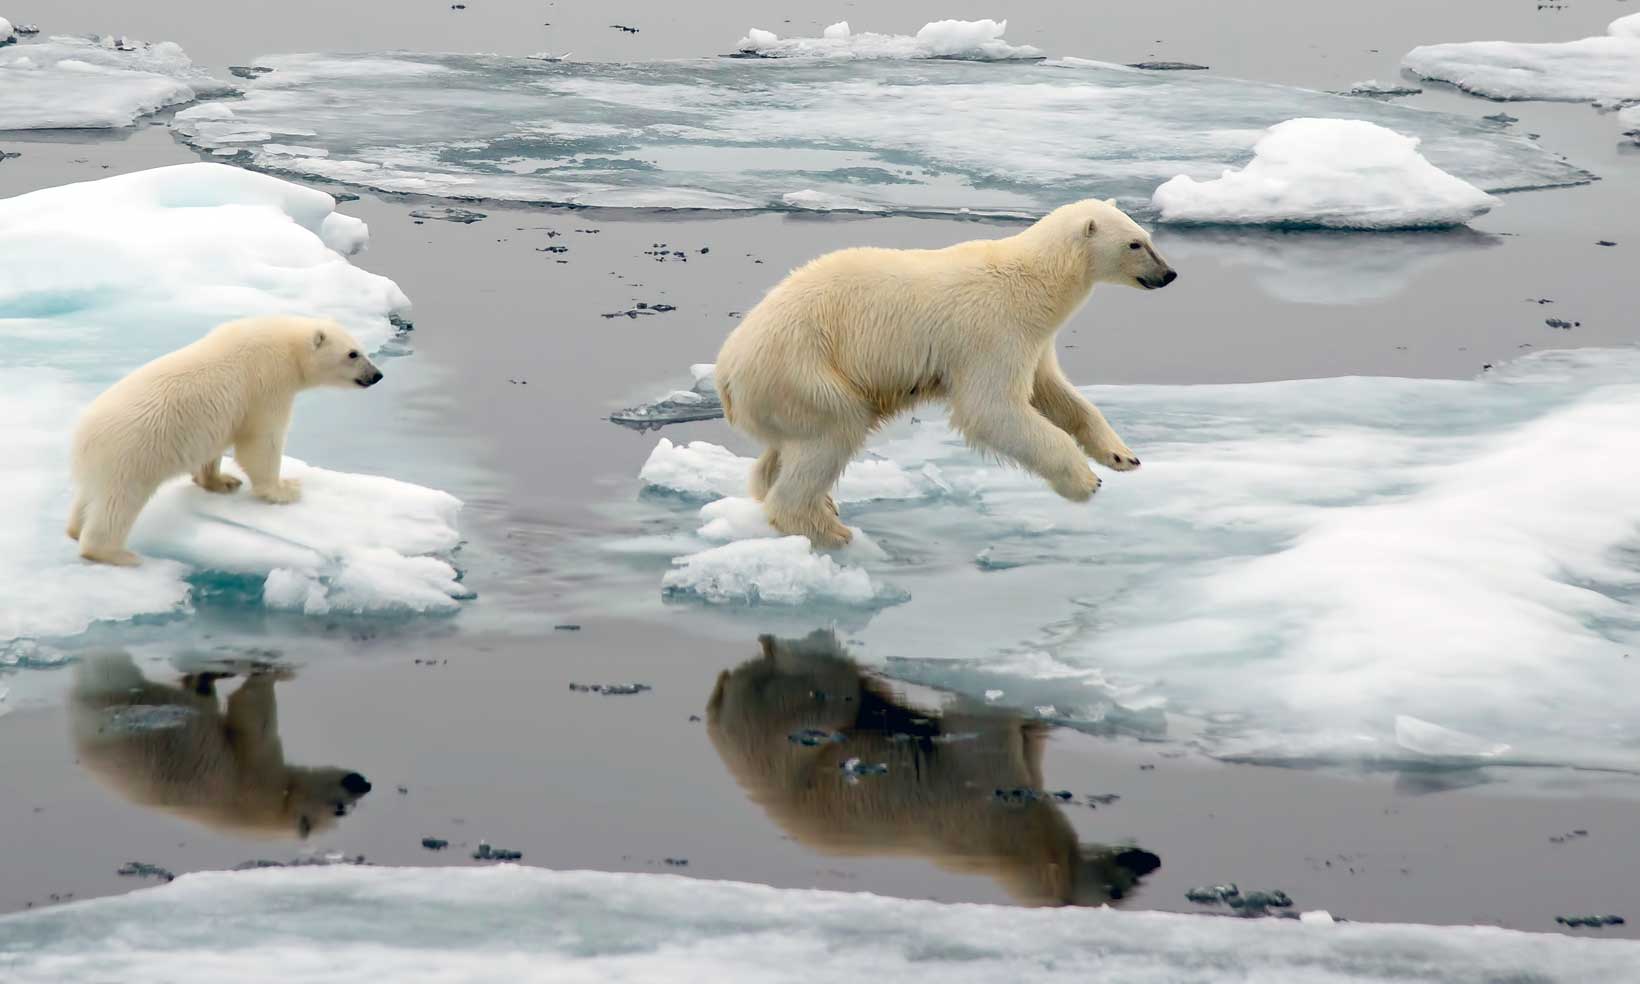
(856, 336)
(179, 413)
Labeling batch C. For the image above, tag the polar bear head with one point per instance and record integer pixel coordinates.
(334, 358)
(315, 798)
(1110, 247)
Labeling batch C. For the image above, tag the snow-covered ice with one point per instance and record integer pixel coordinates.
(866, 135)
(344, 923)
(1605, 67)
(96, 82)
(1348, 174)
(979, 40)
(699, 469)
(99, 277)
(1431, 573)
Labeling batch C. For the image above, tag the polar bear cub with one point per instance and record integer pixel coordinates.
(178, 414)
(856, 336)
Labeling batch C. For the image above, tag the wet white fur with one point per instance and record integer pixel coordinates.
(857, 336)
(178, 414)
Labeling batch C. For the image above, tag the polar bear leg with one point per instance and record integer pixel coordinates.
(260, 456)
(989, 414)
(109, 517)
(76, 516)
(210, 478)
(765, 472)
(1070, 411)
(799, 500)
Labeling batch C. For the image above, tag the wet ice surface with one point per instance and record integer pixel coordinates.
(330, 924)
(97, 278)
(791, 134)
(1347, 174)
(1589, 69)
(1421, 572)
(97, 82)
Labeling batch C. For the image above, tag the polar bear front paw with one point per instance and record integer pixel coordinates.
(218, 483)
(1079, 486)
(283, 492)
(1120, 458)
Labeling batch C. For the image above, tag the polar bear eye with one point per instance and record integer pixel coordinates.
(1134, 245)
(355, 355)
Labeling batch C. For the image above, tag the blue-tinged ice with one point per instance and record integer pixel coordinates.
(94, 82)
(864, 135)
(330, 924)
(1424, 572)
(100, 277)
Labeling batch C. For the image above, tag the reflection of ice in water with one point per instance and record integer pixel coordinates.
(64, 82)
(728, 134)
(97, 278)
(1320, 267)
(421, 925)
(1412, 570)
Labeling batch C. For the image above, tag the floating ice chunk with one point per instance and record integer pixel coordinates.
(1347, 174)
(699, 402)
(6, 34)
(1605, 67)
(699, 469)
(779, 571)
(99, 277)
(416, 926)
(64, 82)
(744, 134)
(356, 540)
(979, 40)
(1425, 738)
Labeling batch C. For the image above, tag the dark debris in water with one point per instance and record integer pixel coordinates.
(610, 689)
(812, 737)
(487, 853)
(445, 213)
(1574, 835)
(141, 869)
(643, 308)
(676, 862)
(1562, 323)
(1250, 904)
(317, 861)
(1168, 66)
(1019, 795)
(1590, 922)
(6, 155)
(624, 28)
(1503, 119)
(1604, 242)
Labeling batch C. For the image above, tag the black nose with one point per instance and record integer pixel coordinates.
(1169, 277)
(372, 379)
(356, 784)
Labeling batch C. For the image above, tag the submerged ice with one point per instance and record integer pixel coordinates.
(94, 82)
(97, 278)
(867, 135)
(330, 924)
(1400, 570)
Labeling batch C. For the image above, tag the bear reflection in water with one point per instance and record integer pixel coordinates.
(938, 798)
(174, 748)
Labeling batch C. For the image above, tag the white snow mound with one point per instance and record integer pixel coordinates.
(979, 40)
(1347, 174)
(96, 83)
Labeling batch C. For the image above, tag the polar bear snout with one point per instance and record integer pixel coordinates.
(370, 376)
(1154, 282)
(354, 783)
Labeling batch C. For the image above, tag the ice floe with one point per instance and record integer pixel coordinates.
(699, 469)
(863, 135)
(328, 924)
(99, 277)
(1347, 174)
(1605, 67)
(1418, 572)
(96, 82)
(979, 40)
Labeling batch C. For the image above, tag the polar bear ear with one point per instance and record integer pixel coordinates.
(1111, 202)
(318, 338)
(1091, 228)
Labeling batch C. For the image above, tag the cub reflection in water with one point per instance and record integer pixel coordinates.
(938, 799)
(174, 748)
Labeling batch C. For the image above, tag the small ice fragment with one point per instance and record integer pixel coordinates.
(1425, 738)
(1316, 916)
(993, 695)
